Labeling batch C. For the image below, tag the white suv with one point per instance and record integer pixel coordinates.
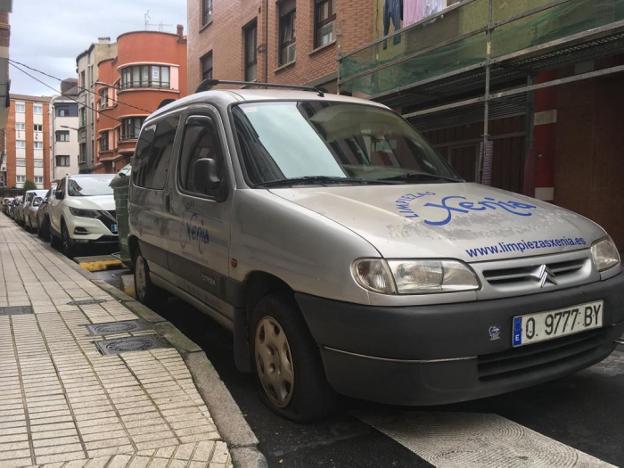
(82, 211)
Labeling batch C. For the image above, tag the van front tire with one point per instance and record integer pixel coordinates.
(288, 366)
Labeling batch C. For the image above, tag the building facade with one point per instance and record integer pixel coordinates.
(149, 68)
(5, 36)
(64, 123)
(87, 68)
(28, 142)
(524, 95)
(289, 41)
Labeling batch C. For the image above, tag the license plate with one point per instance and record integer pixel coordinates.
(542, 326)
(114, 229)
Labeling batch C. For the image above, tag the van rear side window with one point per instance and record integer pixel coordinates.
(153, 155)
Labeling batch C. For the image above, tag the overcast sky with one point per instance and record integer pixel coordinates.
(49, 34)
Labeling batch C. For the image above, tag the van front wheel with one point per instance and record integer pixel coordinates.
(287, 361)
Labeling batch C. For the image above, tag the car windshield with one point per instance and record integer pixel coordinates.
(318, 143)
(90, 186)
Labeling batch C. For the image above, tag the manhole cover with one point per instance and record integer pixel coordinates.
(81, 302)
(133, 343)
(16, 310)
(111, 328)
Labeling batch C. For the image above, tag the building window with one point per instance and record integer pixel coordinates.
(251, 56)
(66, 110)
(206, 66)
(38, 179)
(20, 144)
(131, 127)
(324, 20)
(38, 145)
(37, 109)
(287, 16)
(20, 107)
(20, 162)
(83, 117)
(146, 76)
(206, 6)
(20, 179)
(104, 141)
(20, 126)
(82, 153)
(38, 127)
(103, 98)
(62, 160)
(38, 163)
(62, 136)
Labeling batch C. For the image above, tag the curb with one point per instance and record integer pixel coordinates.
(234, 429)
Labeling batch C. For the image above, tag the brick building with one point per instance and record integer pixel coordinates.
(28, 141)
(149, 67)
(291, 41)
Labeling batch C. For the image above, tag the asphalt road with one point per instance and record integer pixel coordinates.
(566, 420)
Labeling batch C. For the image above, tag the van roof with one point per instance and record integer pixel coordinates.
(224, 97)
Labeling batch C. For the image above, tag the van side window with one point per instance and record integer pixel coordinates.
(201, 141)
(154, 149)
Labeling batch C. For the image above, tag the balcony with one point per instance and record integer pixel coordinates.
(449, 55)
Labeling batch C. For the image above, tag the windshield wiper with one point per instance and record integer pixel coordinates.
(421, 175)
(323, 180)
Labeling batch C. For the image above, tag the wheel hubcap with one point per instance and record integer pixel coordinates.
(140, 277)
(274, 362)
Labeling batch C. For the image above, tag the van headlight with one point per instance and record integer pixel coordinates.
(414, 276)
(605, 254)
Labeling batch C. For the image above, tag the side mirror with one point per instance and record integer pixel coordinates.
(205, 175)
(59, 195)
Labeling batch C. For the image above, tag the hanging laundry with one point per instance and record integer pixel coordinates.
(413, 11)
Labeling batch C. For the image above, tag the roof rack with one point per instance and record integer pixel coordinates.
(210, 83)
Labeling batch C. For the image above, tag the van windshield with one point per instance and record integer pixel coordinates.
(316, 143)
(86, 186)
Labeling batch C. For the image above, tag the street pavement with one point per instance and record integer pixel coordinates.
(573, 422)
(64, 403)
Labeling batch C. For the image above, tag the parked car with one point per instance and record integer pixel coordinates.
(346, 256)
(27, 198)
(6, 203)
(43, 218)
(82, 213)
(28, 210)
(30, 214)
(14, 207)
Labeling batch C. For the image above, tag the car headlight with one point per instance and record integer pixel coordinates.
(84, 213)
(414, 276)
(605, 254)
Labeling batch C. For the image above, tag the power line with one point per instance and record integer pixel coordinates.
(68, 97)
(78, 86)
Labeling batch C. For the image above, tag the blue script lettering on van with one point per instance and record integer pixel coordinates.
(403, 203)
(195, 231)
(456, 204)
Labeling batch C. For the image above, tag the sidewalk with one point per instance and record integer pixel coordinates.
(62, 400)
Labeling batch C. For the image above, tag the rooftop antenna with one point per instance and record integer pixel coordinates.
(147, 19)
(159, 27)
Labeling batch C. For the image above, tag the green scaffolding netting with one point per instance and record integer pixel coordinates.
(458, 39)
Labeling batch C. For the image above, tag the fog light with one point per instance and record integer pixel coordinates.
(80, 230)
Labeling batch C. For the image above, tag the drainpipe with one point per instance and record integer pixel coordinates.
(266, 40)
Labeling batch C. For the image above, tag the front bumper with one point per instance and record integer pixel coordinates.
(438, 354)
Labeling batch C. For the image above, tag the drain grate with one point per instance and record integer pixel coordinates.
(16, 310)
(133, 343)
(112, 328)
(82, 302)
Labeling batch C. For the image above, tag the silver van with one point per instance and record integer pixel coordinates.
(347, 257)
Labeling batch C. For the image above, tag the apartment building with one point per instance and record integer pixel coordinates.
(64, 123)
(289, 41)
(149, 68)
(87, 68)
(28, 141)
(5, 36)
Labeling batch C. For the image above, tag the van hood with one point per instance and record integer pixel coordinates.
(466, 221)
(97, 202)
